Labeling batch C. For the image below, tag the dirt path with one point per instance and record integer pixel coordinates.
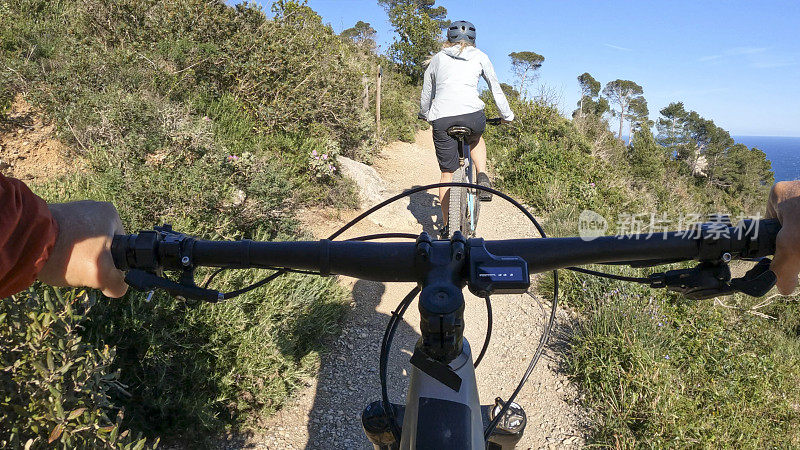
(326, 413)
(28, 147)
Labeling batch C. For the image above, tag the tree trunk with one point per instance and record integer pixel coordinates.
(673, 138)
(581, 113)
(378, 106)
(621, 120)
(365, 95)
(630, 134)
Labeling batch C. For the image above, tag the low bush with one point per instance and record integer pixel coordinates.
(545, 160)
(205, 116)
(194, 371)
(399, 108)
(56, 388)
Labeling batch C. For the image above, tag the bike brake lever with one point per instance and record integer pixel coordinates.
(145, 281)
(757, 281)
(704, 281)
(713, 280)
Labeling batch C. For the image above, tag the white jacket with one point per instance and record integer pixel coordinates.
(451, 80)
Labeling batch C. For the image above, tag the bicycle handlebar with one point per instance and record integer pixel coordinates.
(163, 249)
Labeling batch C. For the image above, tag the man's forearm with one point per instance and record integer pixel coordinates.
(28, 232)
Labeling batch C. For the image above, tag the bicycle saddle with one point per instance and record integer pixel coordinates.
(459, 132)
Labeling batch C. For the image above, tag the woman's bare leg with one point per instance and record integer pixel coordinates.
(444, 194)
(478, 153)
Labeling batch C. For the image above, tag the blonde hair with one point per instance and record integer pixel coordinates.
(448, 44)
(463, 44)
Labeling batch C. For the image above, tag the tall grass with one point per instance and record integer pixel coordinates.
(659, 371)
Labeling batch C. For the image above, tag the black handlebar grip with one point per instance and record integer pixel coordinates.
(767, 233)
(119, 250)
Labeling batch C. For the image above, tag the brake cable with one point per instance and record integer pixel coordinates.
(610, 276)
(404, 305)
(488, 332)
(548, 328)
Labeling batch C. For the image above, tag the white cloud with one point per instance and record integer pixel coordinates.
(617, 47)
(735, 51)
(774, 63)
(710, 58)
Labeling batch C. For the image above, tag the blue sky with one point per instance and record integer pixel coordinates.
(736, 62)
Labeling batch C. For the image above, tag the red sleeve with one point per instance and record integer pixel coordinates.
(27, 235)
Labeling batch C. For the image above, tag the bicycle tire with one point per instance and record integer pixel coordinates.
(473, 204)
(457, 210)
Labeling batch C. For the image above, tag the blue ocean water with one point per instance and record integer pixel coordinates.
(784, 152)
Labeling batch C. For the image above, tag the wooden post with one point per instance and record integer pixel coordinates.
(365, 96)
(378, 105)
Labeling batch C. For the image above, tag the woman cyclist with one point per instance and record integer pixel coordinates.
(450, 97)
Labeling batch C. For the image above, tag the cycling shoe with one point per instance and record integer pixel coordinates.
(484, 181)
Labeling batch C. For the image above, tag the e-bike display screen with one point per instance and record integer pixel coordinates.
(511, 274)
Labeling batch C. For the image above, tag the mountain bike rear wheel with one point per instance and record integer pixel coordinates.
(457, 217)
(473, 205)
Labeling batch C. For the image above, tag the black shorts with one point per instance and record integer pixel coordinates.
(447, 147)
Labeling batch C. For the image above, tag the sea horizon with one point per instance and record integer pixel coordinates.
(782, 151)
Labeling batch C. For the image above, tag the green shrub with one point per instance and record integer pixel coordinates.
(195, 370)
(55, 387)
(6, 94)
(196, 114)
(656, 371)
(647, 158)
(399, 108)
(202, 369)
(542, 158)
(290, 73)
(659, 371)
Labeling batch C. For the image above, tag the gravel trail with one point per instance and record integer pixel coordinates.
(326, 413)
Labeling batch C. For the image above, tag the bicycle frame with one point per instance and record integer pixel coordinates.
(442, 405)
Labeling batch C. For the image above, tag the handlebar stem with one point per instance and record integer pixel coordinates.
(441, 265)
